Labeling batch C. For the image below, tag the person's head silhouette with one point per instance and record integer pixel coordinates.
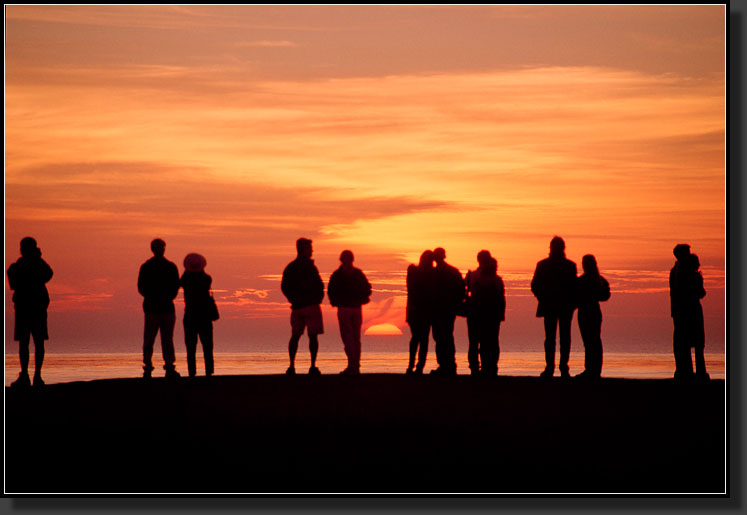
(681, 250)
(426, 259)
(346, 258)
(484, 257)
(158, 247)
(194, 262)
(28, 247)
(439, 255)
(693, 263)
(303, 247)
(589, 263)
(557, 246)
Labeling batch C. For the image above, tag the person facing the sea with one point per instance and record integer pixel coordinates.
(686, 289)
(303, 287)
(554, 284)
(449, 293)
(692, 282)
(683, 365)
(28, 278)
(486, 309)
(158, 283)
(591, 289)
(348, 290)
(419, 311)
(199, 312)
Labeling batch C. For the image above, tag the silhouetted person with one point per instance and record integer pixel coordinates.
(198, 312)
(303, 287)
(553, 284)
(420, 309)
(448, 294)
(696, 291)
(158, 283)
(591, 289)
(348, 290)
(486, 310)
(28, 278)
(689, 322)
(679, 311)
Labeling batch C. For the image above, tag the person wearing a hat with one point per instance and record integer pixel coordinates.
(158, 283)
(28, 277)
(198, 312)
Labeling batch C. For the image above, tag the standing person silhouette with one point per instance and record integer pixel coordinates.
(348, 290)
(419, 309)
(303, 287)
(683, 364)
(449, 293)
(591, 289)
(198, 312)
(486, 311)
(691, 282)
(158, 283)
(553, 284)
(28, 278)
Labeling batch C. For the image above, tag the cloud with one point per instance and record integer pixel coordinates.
(119, 196)
(251, 292)
(265, 44)
(66, 297)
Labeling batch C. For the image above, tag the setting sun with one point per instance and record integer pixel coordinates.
(383, 330)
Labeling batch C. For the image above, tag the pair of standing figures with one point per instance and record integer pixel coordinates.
(559, 293)
(159, 282)
(348, 291)
(685, 291)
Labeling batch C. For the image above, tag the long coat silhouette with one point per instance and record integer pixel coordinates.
(448, 294)
(591, 289)
(554, 286)
(420, 309)
(686, 290)
(486, 311)
(197, 319)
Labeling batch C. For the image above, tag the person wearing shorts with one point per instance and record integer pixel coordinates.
(27, 278)
(303, 287)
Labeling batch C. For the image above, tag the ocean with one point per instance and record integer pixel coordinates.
(64, 368)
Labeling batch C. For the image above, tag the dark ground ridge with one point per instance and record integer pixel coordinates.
(373, 433)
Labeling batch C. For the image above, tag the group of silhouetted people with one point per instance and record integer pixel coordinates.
(436, 295)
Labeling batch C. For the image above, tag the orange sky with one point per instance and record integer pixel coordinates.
(233, 130)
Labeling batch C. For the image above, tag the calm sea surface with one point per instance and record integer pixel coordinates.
(63, 368)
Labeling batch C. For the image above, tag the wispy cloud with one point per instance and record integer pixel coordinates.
(265, 44)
